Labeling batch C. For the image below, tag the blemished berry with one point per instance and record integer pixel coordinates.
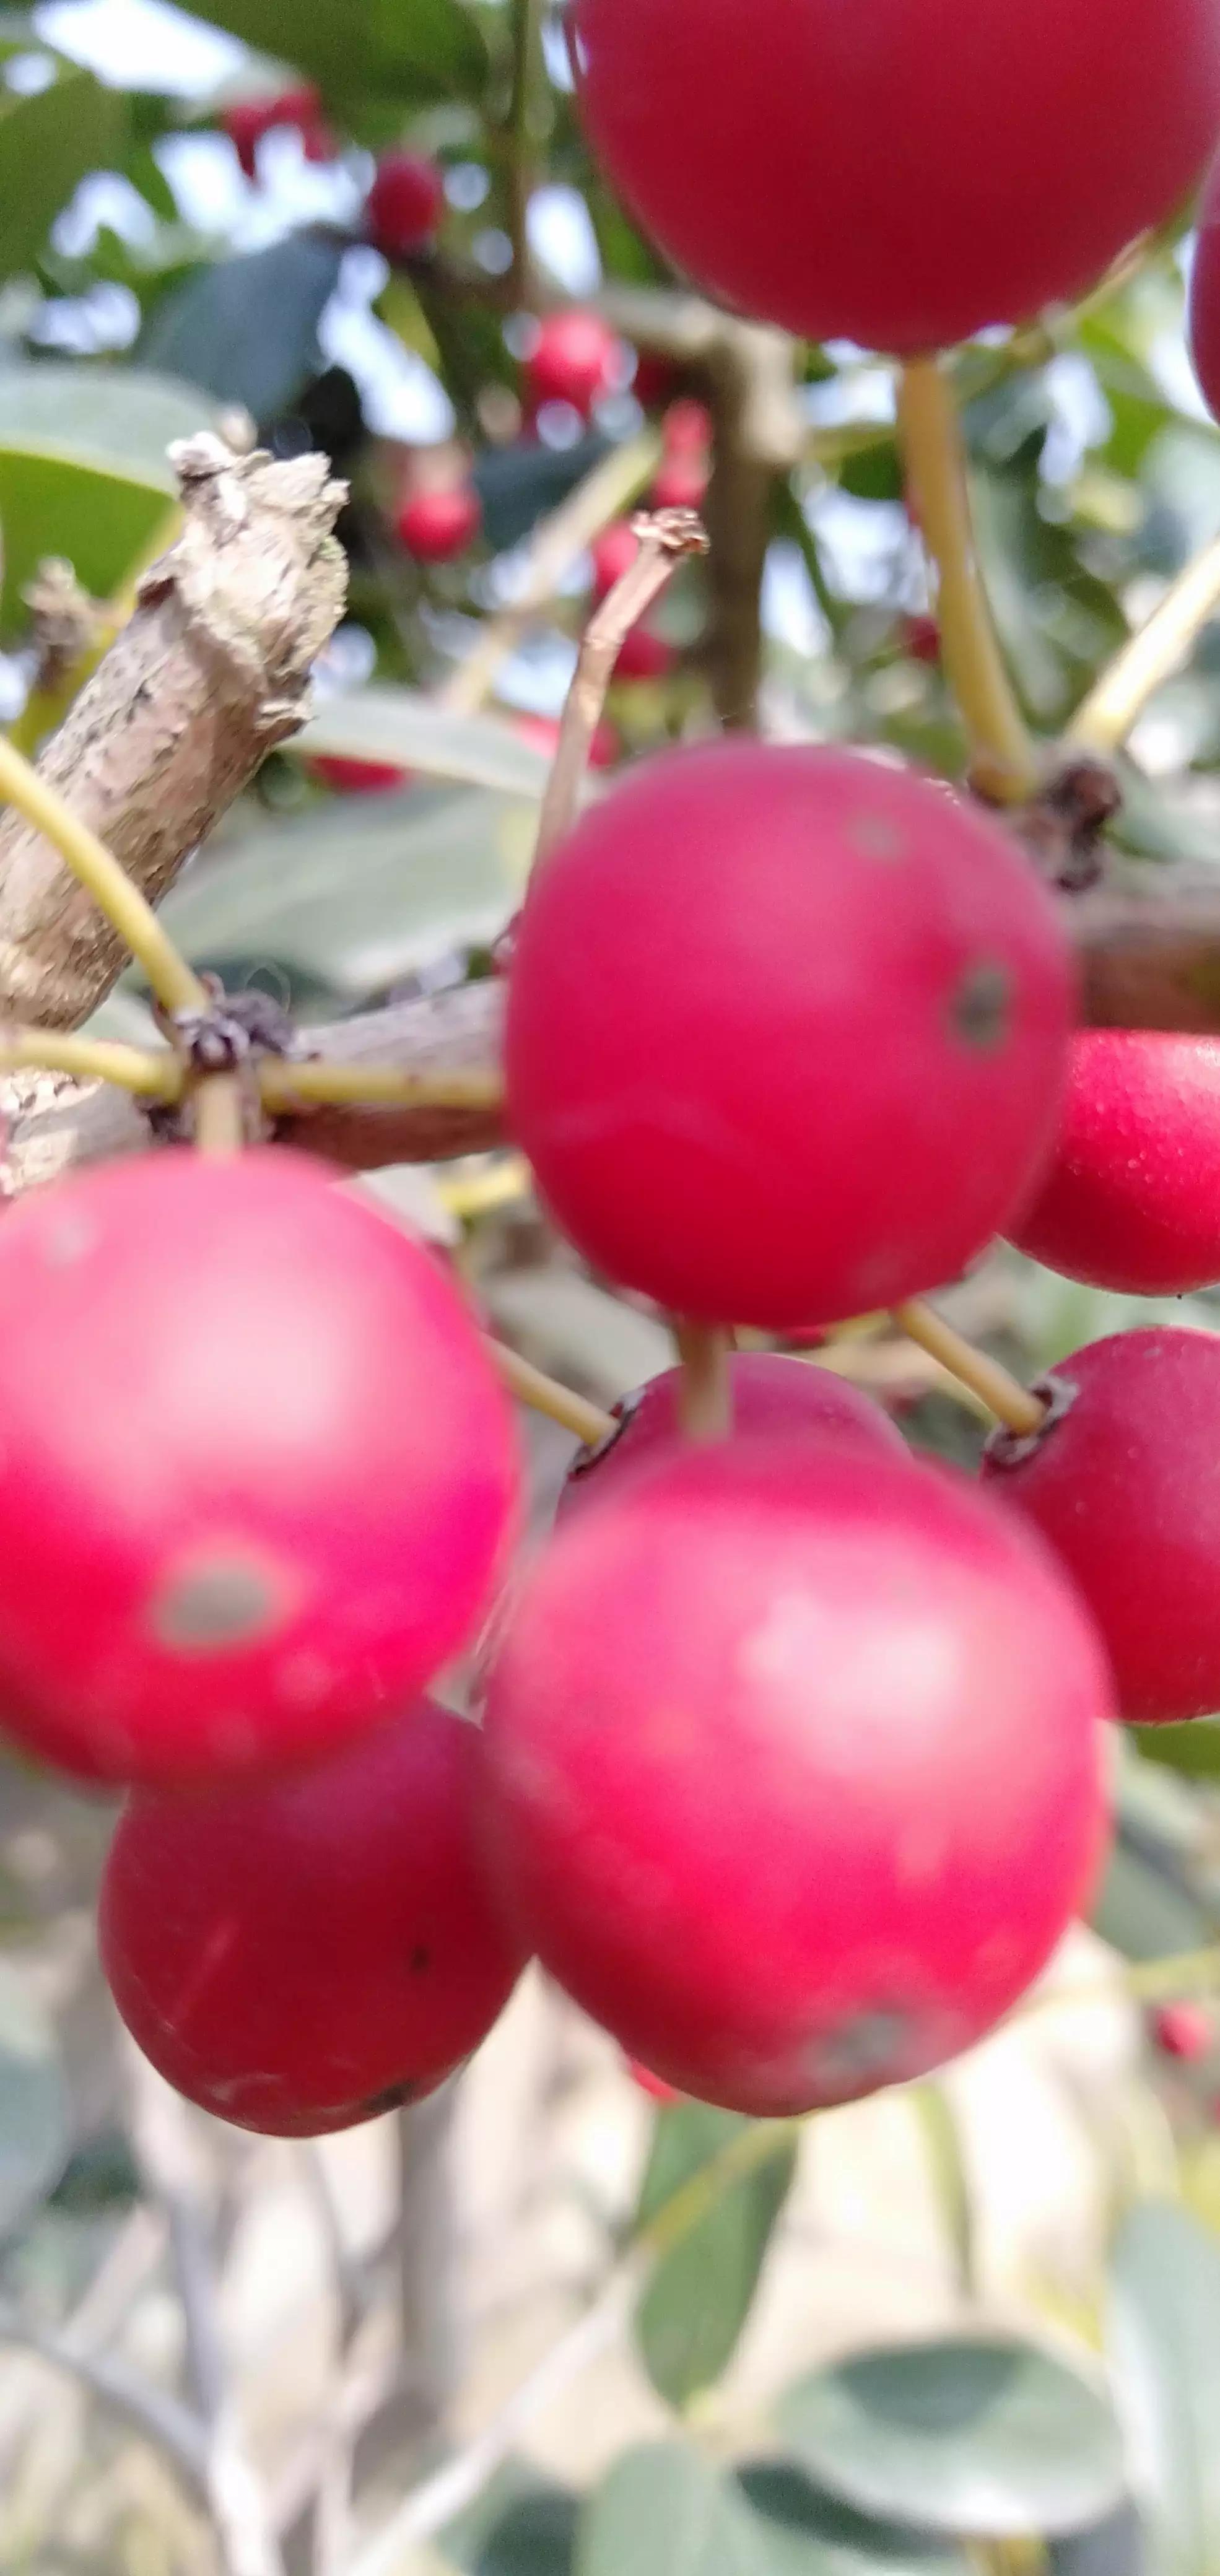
(356, 777)
(439, 521)
(644, 655)
(770, 1394)
(1183, 2030)
(613, 553)
(250, 120)
(573, 360)
(257, 1474)
(543, 731)
(405, 204)
(905, 177)
(787, 1032)
(1124, 1486)
(1205, 293)
(297, 1955)
(794, 1768)
(1132, 1197)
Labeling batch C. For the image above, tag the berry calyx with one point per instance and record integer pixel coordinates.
(250, 120)
(808, 1001)
(613, 553)
(356, 777)
(298, 1955)
(405, 204)
(257, 1472)
(1122, 1484)
(1184, 2031)
(770, 1394)
(1132, 1197)
(439, 521)
(794, 1769)
(573, 360)
(953, 171)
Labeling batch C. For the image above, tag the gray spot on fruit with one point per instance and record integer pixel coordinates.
(981, 1006)
(209, 1607)
(866, 2048)
(877, 837)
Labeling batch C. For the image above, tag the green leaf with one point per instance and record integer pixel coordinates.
(49, 142)
(972, 2434)
(812, 2534)
(1164, 2347)
(662, 2511)
(422, 47)
(247, 329)
(325, 39)
(700, 2294)
(83, 468)
(1144, 1912)
(1194, 1749)
(34, 2141)
(405, 726)
(408, 49)
(520, 2525)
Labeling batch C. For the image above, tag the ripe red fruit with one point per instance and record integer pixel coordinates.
(1132, 1198)
(439, 521)
(1205, 293)
(794, 1772)
(654, 380)
(1184, 2031)
(251, 119)
(356, 777)
(770, 1394)
(643, 655)
(1124, 1486)
(543, 731)
(681, 483)
(686, 429)
(904, 180)
(922, 638)
(614, 553)
(256, 1473)
(297, 1955)
(786, 1032)
(572, 360)
(405, 204)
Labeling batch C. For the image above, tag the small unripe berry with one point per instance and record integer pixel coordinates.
(1123, 1483)
(1184, 2031)
(1132, 1197)
(787, 1031)
(770, 1394)
(439, 521)
(356, 777)
(297, 1955)
(794, 1768)
(572, 360)
(256, 1475)
(405, 204)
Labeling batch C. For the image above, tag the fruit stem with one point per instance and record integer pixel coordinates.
(1003, 764)
(544, 1394)
(283, 1085)
(96, 868)
(154, 1073)
(520, 180)
(705, 1395)
(665, 537)
(220, 1114)
(1003, 1394)
(1152, 654)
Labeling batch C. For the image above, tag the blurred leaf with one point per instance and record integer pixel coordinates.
(812, 2534)
(247, 329)
(663, 2511)
(427, 46)
(700, 2294)
(84, 470)
(517, 485)
(1143, 1911)
(409, 48)
(402, 725)
(49, 142)
(34, 2141)
(1193, 1749)
(520, 2525)
(971, 2434)
(1114, 2547)
(323, 38)
(1164, 2343)
(358, 898)
(942, 2137)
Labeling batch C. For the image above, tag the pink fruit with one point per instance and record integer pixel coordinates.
(770, 1394)
(1132, 1197)
(405, 204)
(572, 360)
(439, 521)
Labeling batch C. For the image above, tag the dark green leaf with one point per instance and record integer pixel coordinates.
(83, 467)
(1164, 2345)
(48, 143)
(427, 47)
(812, 2534)
(977, 2435)
(520, 2525)
(247, 329)
(1194, 1749)
(34, 2142)
(325, 39)
(700, 2294)
(410, 49)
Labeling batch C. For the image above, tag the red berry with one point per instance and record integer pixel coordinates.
(405, 204)
(922, 638)
(1125, 1488)
(904, 178)
(770, 1394)
(1183, 2030)
(1205, 293)
(356, 777)
(687, 429)
(297, 1955)
(643, 655)
(614, 553)
(439, 521)
(786, 1032)
(251, 119)
(256, 1474)
(650, 2084)
(543, 732)
(681, 483)
(572, 360)
(794, 1774)
(654, 380)
(1132, 1198)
